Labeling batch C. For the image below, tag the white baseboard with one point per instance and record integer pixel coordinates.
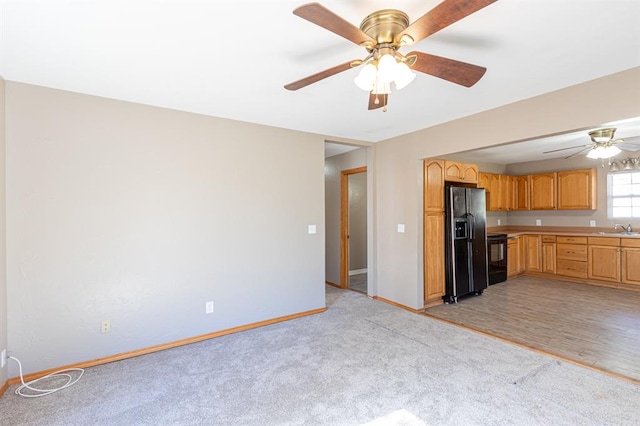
(358, 271)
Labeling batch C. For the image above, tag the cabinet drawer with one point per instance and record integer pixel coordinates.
(604, 241)
(571, 268)
(630, 242)
(571, 252)
(548, 238)
(572, 240)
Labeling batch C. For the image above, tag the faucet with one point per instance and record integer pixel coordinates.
(627, 230)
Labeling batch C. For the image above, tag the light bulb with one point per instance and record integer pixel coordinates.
(404, 76)
(387, 68)
(366, 77)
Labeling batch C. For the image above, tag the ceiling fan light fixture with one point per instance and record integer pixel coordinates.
(603, 152)
(404, 76)
(366, 78)
(602, 135)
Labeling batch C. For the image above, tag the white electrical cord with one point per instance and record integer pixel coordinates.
(43, 392)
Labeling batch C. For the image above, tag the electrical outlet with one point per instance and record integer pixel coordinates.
(105, 327)
(208, 308)
(3, 361)
(499, 222)
(538, 222)
(592, 223)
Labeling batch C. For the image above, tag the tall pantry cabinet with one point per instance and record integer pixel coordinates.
(434, 271)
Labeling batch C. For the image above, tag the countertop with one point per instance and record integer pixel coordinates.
(562, 230)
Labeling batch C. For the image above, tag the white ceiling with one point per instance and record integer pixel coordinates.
(231, 58)
(571, 143)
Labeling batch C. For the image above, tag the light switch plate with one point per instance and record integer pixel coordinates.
(592, 223)
(401, 227)
(312, 229)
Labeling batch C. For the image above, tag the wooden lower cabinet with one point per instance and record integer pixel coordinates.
(604, 259)
(630, 262)
(532, 253)
(549, 254)
(571, 256)
(434, 279)
(514, 261)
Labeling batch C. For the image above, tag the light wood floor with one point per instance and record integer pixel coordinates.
(594, 326)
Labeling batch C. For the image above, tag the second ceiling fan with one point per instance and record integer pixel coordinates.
(382, 34)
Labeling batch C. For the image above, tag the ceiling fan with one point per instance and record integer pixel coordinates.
(382, 34)
(602, 145)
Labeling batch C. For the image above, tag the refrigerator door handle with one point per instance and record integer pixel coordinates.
(471, 219)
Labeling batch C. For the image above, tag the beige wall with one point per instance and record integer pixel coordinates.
(399, 169)
(141, 215)
(3, 255)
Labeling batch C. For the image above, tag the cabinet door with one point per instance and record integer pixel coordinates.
(483, 180)
(520, 197)
(513, 257)
(577, 189)
(504, 203)
(543, 191)
(433, 256)
(631, 265)
(604, 263)
(532, 255)
(494, 192)
(470, 173)
(549, 258)
(453, 171)
(434, 185)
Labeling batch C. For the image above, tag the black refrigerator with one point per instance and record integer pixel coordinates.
(466, 242)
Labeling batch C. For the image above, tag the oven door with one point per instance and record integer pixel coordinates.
(497, 259)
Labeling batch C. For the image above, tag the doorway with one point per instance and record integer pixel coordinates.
(353, 229)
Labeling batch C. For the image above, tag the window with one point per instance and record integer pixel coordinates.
(623, 194)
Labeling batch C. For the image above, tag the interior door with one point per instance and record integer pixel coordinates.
(353, 259)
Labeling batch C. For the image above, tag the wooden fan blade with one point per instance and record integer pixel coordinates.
(382, 100)
(318, 76)
(320, 15)
(441, 16)
(564, 149)
(448, 69)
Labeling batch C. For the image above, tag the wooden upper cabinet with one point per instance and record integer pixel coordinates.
(460, 172)
(577, 189)
(506, 193)
(434, 185)
(483, 180)
(498, 188)
(470, 173)
(520, 192)
(542, 187)
(493, 198)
